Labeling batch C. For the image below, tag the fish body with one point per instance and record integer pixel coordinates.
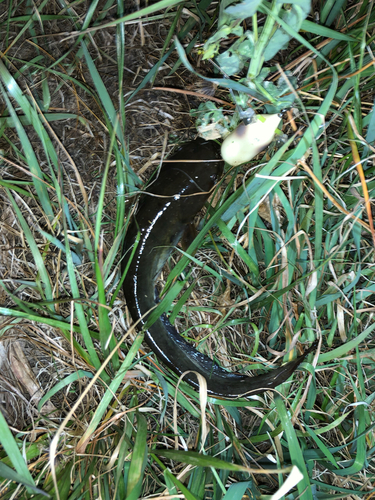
(170, 205)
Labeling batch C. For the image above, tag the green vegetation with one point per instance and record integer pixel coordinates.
(284, 256)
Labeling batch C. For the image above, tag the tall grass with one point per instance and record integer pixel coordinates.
(257, 287)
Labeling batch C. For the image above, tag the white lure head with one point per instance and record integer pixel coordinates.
(247, 141)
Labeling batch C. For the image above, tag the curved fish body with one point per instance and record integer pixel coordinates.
(170, 204)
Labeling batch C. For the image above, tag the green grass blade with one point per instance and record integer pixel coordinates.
(115, 383)
(65, 327)
(12, 450)
(138, 460)
(321, 30)
(46, 289)
(63, 383)
(296, 456)
(32, 161)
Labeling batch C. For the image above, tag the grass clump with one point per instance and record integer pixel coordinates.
(284, 256)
